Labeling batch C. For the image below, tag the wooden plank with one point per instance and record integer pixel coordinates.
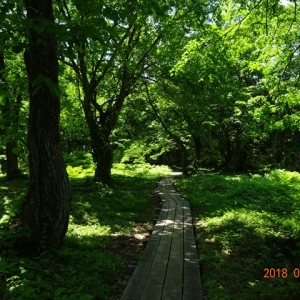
(154, 286)
(137, 282)
(169, 268)
(192, 289)
(150, 251)
(135, 287)
(173, 282)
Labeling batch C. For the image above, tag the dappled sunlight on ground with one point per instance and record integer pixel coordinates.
(244, 224)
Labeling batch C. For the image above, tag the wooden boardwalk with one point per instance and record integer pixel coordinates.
(169, 268)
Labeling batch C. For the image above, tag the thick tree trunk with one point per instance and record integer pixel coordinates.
(46, 208)
(104, 161)
(101, 150)
(102, 127)
(100, 139)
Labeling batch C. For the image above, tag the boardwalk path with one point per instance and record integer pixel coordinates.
(169, 268)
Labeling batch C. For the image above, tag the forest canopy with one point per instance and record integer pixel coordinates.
(91, 91)
(190, 84)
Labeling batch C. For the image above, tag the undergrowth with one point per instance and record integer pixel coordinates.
(246, 224)
(101, 238)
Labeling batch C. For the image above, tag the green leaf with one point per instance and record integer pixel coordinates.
(39, 27)
(2, 98)
(43, 81)
(15, 150)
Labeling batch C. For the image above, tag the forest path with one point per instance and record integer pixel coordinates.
(169, 268)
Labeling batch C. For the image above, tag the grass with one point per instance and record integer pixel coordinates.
(107, 225)
(244, 225)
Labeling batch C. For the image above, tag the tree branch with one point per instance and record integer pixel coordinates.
(244, 18)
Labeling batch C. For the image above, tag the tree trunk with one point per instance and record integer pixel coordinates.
(10, 115)
(101, 149)
(184, 164)
(102, 127)
(12, 170)
(100, 139)
(46, 208)
(104, 161)
(197, 151)
(240, 164)
(277, 147)
(227, 154)
(176, 138)
(293, 156)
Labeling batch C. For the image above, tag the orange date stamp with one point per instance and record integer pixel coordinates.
(281, 273)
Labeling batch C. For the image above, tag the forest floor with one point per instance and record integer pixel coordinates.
(247, 229)
(248, 233)
(106, 231)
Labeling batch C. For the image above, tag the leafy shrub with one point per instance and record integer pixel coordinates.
(144, 169)
(79, 158)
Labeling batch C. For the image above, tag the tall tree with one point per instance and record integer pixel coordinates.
(111, 56)
(46, 208)
(267, 44)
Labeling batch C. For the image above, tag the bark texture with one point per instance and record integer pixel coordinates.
(46, 208)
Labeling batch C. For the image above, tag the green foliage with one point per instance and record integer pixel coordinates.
(43, 81)
(103, 220)
(78, 158)
(74, 130)
(145, 151)
(12, 194)
(145, 170)
(224, 75)
(246, 223)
